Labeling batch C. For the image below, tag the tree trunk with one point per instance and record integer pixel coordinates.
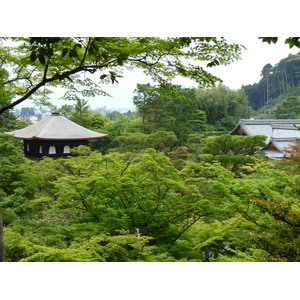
(279, 86)
(1, 240)
(267, 88)
(283, 82)
(286, 80)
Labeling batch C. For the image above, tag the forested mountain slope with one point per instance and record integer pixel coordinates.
(277, 82)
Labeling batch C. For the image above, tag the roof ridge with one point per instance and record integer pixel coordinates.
(46, 120)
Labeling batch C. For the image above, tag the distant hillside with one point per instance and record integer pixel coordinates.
(268, 111)
(277, 83)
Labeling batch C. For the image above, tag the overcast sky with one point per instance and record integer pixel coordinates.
(242, 72)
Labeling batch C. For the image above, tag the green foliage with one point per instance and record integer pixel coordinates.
(117, 193)
(232, 151)
(217, 240)
(288, 109)
(137, 141)
(123, 125)
(280, 80)
(179, 157)
(225, 124)
(10, 157)
(169, 108)
(83, 115)
(223, 107)
(291, 41)
(9, 122)
(233, 144)
(2, 248)
(53, 61)
(99, 248)
(151, 205)
(282, 240)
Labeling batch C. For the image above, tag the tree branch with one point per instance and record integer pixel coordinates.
(45, 72)
(85, 52)
(12, 80)
(13, 104)
(39, 85)
(187, 226)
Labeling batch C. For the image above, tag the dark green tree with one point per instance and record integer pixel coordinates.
(169, 108)
(82, 114)
(265, 73)
(288, 109)
(137, 141)
(220, 104)
(281, 79)
(232, 151)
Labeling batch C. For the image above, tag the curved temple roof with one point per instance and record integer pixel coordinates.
(56, 127)
(270, 128)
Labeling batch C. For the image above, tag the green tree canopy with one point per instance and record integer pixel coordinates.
(232, 151)
(169, 108)
(222, 106)
(288, 109)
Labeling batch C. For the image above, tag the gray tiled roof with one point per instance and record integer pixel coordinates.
(282, 143)
(274, 155)
(280, 133)
(56, 127)
(270, 128)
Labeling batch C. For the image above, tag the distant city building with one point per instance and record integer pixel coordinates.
(102, 110)
(29, 114)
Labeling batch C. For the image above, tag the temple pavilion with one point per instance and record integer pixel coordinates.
(280, 134)
(54, 136)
